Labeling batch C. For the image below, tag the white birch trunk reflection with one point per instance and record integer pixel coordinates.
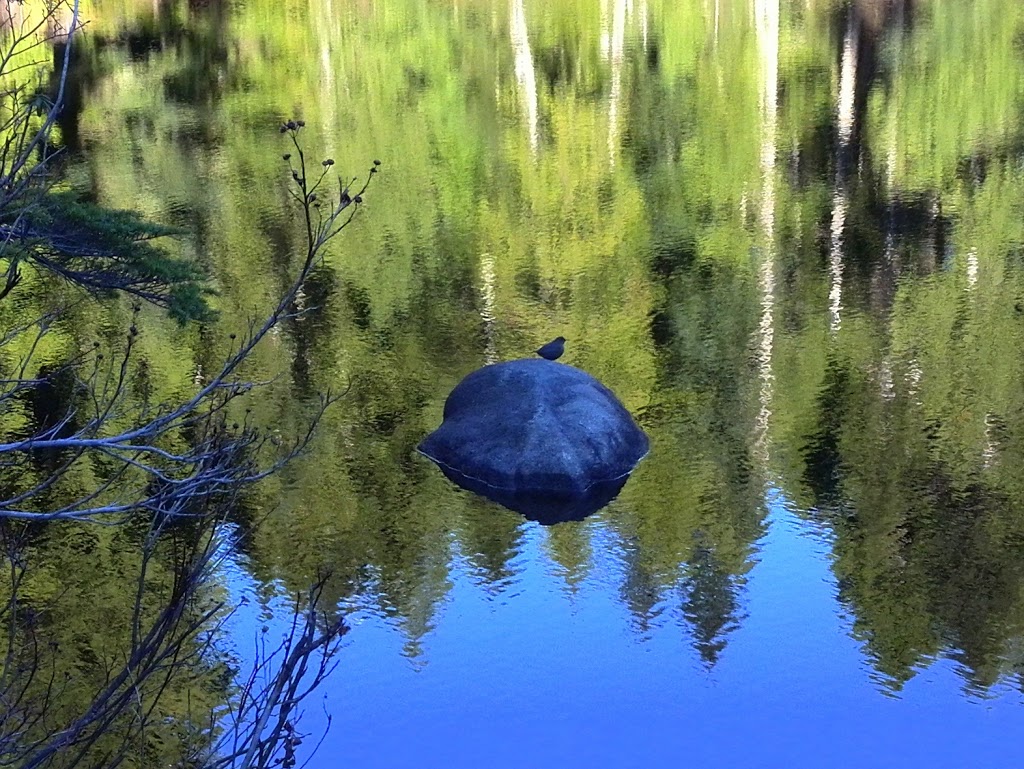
(847, 85)
(717, 16)
(767, 25)
(618, 50)
(845, 116)
(487, 303)
(526, 75)
(835, 256)
(643, 23)
(326, 32)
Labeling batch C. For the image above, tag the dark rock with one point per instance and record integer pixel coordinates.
(541, 438)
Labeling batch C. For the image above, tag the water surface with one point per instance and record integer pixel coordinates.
(786, 234)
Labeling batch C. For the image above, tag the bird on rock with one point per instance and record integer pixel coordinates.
(553, 350)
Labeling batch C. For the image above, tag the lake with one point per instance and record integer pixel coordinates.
(788, 234)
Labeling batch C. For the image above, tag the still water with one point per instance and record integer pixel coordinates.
(788, 235)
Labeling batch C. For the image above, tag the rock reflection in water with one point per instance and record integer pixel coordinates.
(541, 438)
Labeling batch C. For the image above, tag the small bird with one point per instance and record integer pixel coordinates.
(553, 350)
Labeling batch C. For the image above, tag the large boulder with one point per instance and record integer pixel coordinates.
(539, 437)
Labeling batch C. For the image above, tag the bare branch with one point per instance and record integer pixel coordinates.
(175, 465)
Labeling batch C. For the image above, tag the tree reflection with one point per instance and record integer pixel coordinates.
(699, 199)
(710, 604)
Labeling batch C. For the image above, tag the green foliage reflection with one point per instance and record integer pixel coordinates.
(617, 197)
